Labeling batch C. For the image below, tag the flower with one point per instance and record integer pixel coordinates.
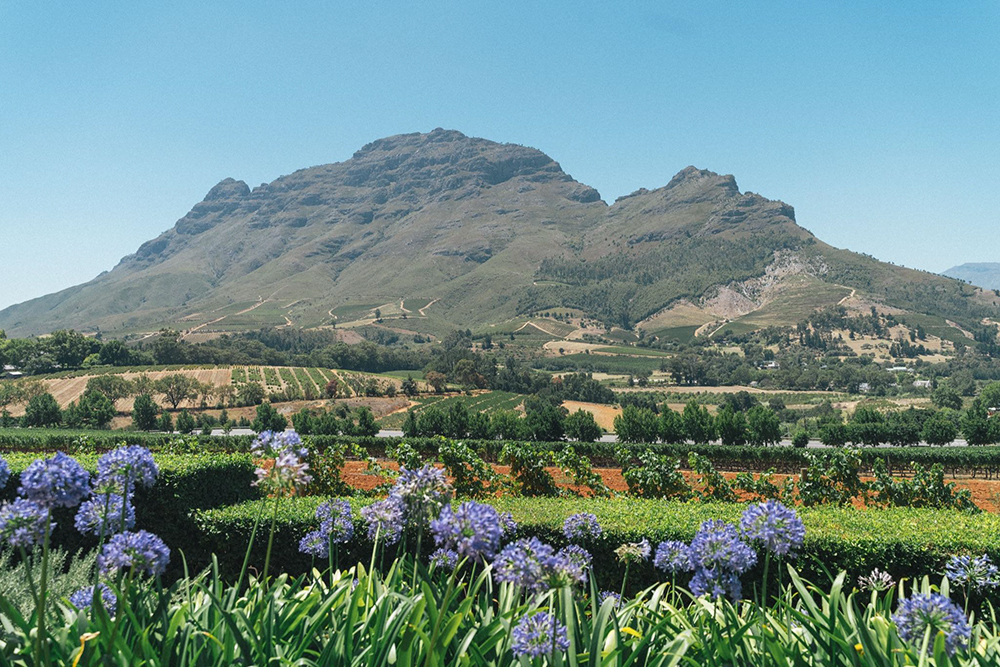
(445, 558)
(472, 531)
(569, 566)
(125, 467)
(271, 444)
(336, 521)
(422, 492)
(934, 612)
(581, 526)
(22, 523)
(538, 635)
(877, 580)
(507, 524)
(4, 473)
(385, 520)
(83, 598)
(719, 557)
(633, 552)
(776, 527)
(716, 583)
(604, 595)
(142, 551)
(673, 556)
(978, 573)
(315, 544)
(102, 515)
(288, 473)
(535, 565)
(55, 482)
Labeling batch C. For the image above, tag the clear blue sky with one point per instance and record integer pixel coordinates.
(879, 122)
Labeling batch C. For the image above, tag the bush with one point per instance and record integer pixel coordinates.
(42, 410)
(801, 438)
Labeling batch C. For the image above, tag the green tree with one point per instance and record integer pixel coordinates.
(582, 427)
(436, 380)
(834, 434)
(731, 425)
(671, 426)
(366, 427)
(113, 386)
(990, 396)
(763, 426)
(185, 422)
(410, 427)
(480, 426)
(304, 422)
(507, 425)
(92, 410)
(268, 419)
(545, 422)
(940, 429)
(176, 388)
(458, 420)
(976, 426)
(867, 427)
(144, 412)
(409, 386)
(699, 427)
(946, 397)
(250, 393)
(636, 424)
(42, 410)
(432, 421)
(165, 423)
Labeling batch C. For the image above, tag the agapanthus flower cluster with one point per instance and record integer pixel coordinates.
(472, 530)
(84, 598)
(271, 444)
(673, 556)
(385, 520)
(55, 482)
(581, 526)
(936, 613)
(125, 468)
(422, 493)
(4, 473)
(777, 528)
(335, 527)
(103, 515)
(876, 580)
(978, 573)
(538, 635)
(445, 559)
(507, 524)
(141, 551)
(634, 552)
(719, 557)
(287, 473)
(537, 566)
(22, 523)
(606, 595)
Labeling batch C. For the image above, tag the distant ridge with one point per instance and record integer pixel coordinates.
(983, 274)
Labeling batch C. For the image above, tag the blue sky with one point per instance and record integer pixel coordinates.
(877, 121)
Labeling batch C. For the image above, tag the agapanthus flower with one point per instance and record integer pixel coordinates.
(582, 526)
(472, 530)
(717, 545)
(535, 565)
(422, 492)
(507, 524)
(126, 467)
(83, 598)
(288, 473)
(716, 583)
(316, 544)
(102, 515)
(634, 552)
(673, 556)
(385, 520)
(979, 573)
(538, 635)
(775, 527)
(605, 595)
(569, 566)
(142, 551)
(336, 521)
(445, 559)
(4, 473)
(932, 611)
(22, 523)
(55, 482)
(273, 443)
(876, 580)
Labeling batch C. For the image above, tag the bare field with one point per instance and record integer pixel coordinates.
(604, 415)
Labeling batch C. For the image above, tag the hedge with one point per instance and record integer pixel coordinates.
(905, 542)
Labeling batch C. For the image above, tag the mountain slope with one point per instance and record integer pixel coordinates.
(447, 231)
(984, 274)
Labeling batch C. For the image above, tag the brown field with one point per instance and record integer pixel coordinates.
(604, 415)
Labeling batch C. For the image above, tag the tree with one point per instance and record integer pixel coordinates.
(990, 396)
(366, 427)
(332, 388)
(480, 426)
(458, 420)
(975, 424)
(436, 380)
(177, 388)
(731, 425)
(42, 410)
(143, 384)
(636, 424)
(250, 393)
(165, 423)
(92, 410)
(185, 422)
(144, 412)
(940, 429)
(10, 394)
(432, 421)
(671, 426)
(113, 386)
(507, 425)
(545, 423)
(763, 426)
(834, 434)
(409, 386)
(699, 427)
(304, 422)
(867, 426)
(114, 353)
(946, 397)
(582, 427)
(410, 427)
(268, 419)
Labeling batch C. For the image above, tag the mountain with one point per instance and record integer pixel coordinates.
(439, 231)
(984, 274)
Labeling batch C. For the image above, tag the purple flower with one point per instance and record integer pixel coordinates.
(979, 573)
(605, 595)
(335, 520)
(142, 551)
(717, 545)
(315, 544)
(288, 473)
(934, 612)
(582, 526)
(569, 566)
(385, 520)
(507, 524)
(673, 556)
(102, 515)
(472, 531)
(634, 552)
(422, 493)
(125, 467)
(83, 598)
(444, 558)
(538, 635)
(22, 523)
(717, 583)
(271, 444)
(535, 565)
(55, 482)
(4, 473)
(776, 527)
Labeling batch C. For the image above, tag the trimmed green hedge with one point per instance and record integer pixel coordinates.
(75, 440)
(905, 542)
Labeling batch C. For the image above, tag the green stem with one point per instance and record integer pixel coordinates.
(253, 534)
(628, 564)
(270, 538)
(763, 592)
(43, 592)
(416, 558)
